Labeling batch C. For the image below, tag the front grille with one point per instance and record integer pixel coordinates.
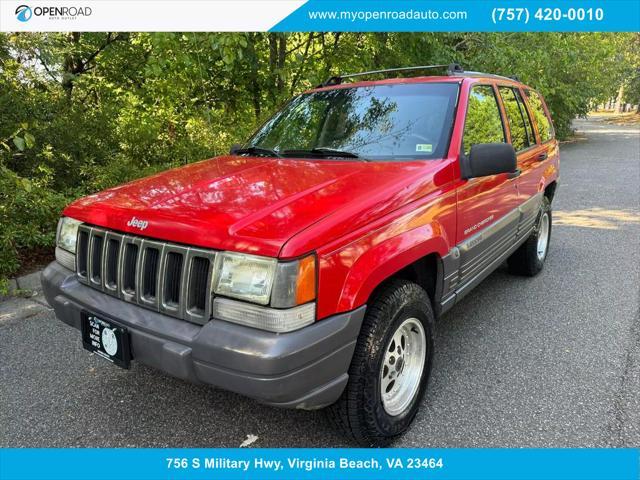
(166, 277)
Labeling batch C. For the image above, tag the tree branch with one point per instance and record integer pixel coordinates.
(302, 62)
(53, 77)
(110, 39)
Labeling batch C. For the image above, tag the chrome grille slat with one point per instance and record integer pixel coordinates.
(147, 266)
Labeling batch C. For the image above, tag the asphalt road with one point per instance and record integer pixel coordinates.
(548, 361)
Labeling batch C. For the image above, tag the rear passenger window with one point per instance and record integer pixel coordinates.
(516, 116)
(545, 128)
(519, 137)
(483, 123)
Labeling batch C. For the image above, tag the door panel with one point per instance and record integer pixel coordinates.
(522, 137)
(530, 153)
(487, 221)
(479, 251)
(535, 161)
(487, 206)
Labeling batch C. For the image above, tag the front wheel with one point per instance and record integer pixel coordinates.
(390, 367)
(529, 259)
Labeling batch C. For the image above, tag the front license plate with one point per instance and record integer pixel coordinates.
(106, 339)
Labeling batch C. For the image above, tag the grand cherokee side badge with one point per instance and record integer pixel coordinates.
(137, 223)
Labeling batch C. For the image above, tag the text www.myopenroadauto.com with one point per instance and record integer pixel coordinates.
(367, 15)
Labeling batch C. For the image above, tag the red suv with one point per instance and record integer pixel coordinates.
(307, 268)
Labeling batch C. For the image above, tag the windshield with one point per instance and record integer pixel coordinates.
(385, 122)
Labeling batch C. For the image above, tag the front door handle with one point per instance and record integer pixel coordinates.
(542, 157)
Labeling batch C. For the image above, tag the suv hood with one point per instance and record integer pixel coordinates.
(254, 204)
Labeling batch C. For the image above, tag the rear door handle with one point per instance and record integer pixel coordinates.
(543, 156)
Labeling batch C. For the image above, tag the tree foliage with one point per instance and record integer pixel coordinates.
(630, 55)
(80, 112)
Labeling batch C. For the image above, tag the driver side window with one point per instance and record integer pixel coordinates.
(484, 122)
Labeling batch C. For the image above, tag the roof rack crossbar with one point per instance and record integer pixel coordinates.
(452, 69)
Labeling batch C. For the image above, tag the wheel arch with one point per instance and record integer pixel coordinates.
(426, 271)
(550, 190)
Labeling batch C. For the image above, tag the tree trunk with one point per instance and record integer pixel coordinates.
(303, 61)
(277, 59)
(282, 55)
(329, 54)
(380, 53)
(619, 101)
(72, 66)
(254, 83)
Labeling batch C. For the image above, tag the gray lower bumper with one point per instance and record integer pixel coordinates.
(302, 369)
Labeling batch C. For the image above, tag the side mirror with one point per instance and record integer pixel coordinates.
(490, 159)
(234, 148)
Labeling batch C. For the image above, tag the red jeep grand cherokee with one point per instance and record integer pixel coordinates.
(306, 269)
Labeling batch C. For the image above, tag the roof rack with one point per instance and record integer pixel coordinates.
(488, 75)
(452, 69)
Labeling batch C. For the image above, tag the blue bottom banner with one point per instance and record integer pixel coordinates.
(300, 464)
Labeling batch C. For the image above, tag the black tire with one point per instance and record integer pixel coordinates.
(359, 412)
(525, 261)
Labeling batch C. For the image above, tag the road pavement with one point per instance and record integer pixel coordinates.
(552, 361)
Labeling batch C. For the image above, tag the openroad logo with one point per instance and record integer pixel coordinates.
(24, 13)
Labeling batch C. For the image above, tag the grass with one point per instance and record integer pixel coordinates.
(630, 118)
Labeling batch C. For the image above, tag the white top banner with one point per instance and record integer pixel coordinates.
(144, 15)
(320, 15)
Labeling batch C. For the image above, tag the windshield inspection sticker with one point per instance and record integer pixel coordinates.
(424, 147)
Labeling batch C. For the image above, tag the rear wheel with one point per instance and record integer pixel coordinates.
(390, 367)
(529, 259)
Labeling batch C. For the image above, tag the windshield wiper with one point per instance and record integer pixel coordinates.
(332, 152)
(260, 151)
(325, 152)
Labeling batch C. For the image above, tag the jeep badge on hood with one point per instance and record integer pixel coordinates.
(137, 223)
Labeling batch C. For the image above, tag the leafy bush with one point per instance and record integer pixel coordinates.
(29, 211)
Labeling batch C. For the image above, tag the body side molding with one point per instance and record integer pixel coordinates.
(472, 260)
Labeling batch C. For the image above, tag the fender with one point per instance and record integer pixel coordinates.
(351, 273)
(384, 260)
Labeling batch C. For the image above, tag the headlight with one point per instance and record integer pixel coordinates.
(67, 234)
(246, 277)
(288, 288)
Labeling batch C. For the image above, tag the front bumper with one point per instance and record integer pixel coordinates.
(302, 369)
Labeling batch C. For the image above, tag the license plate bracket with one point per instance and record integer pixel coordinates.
(106, 339)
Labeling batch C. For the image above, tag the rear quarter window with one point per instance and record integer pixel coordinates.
(545, 127)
